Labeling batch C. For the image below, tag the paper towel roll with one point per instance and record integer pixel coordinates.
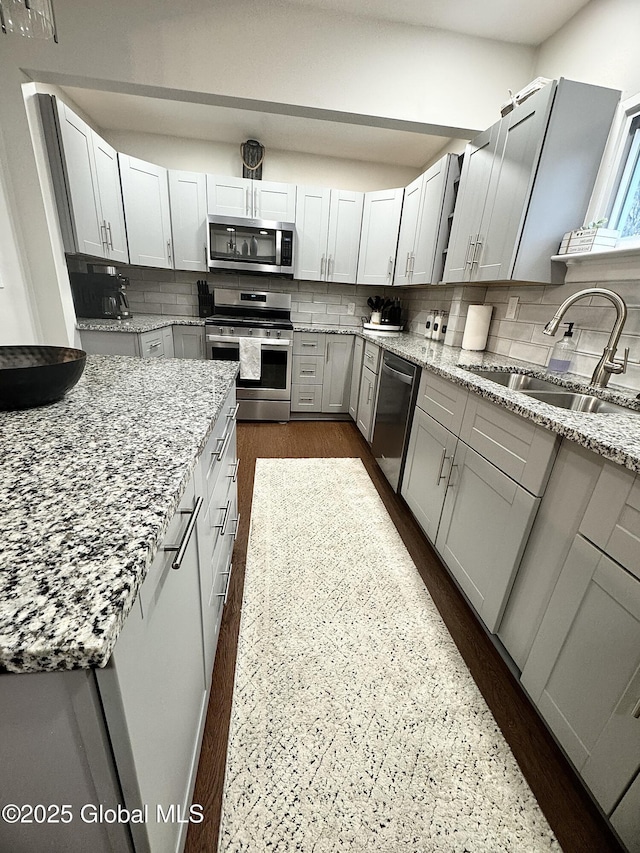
(476, 329)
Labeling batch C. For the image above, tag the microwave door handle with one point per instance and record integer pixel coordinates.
(278, 248)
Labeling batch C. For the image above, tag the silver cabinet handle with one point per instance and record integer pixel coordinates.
(184, 544)
(224, 443)
(247, 207)
(476, 251)
(323, 261)
(413, 263)
(103, 235)
(155, 344)
(450, 484)
(442, 461)
(306, 399)
(636, 710)
(169, 250)
(471, 244)
(206, 255)
(222, 527)
(256, 202)
(234, 475)
(233, 412)
(369, 394)
(309, 343)
(406, 266)
(110, 236)
(330, 267)
(307, 373)
(390, 268)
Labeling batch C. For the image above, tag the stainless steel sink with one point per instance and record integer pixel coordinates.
(579, 402)
(515, 381)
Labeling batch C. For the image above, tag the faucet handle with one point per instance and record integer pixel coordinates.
(615, 366)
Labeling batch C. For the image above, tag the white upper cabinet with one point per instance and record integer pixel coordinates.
(146, 203)
(379, 236)
(188, 202)
(86, 183)
(244, 197)
(428, 202)
(526, 181)
(328, 234)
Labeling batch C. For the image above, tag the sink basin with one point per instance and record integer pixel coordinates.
(515, 381)
(580, 402)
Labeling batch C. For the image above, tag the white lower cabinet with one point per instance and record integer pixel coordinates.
(321, 373)
(153, 689)
(429, 458)
(156, 344)
(188, 341)
(485, 523)
(356, 373)
(583, 672)
(367, 401)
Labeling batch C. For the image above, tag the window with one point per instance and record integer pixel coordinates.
(616, 195)
(625, 211)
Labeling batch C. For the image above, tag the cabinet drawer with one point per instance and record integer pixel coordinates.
(371, 357)
(443, 400)
(220, 447)
(306, 398)
(515, 445)
(612, 518)
(308, 369)
(152, 344)
(308, 343)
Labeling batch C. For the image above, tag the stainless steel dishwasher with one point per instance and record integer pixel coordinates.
(394, 412)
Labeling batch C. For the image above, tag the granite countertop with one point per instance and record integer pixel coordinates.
(138, 323)
(89, 486)
(615, 436)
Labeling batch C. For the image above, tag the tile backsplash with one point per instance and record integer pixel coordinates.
(322, 304)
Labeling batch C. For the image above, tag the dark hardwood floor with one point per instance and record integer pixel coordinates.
(576, 821)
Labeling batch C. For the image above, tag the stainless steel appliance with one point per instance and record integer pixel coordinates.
(397, 394)
(250, 245)
(265, 319)
(101, 292)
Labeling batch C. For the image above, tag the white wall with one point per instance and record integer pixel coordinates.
(293, 167)
(598, 45)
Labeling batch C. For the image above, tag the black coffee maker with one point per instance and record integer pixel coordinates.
(100, 292)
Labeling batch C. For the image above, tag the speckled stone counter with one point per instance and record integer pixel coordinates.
(615, 436)
(138, 323)
(88, 488)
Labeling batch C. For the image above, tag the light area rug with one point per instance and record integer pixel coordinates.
(356, 725)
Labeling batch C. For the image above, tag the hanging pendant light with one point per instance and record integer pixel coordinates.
(28, 18)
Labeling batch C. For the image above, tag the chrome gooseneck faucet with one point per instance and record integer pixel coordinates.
(607, 364)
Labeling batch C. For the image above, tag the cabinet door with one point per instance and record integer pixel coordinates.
(429, 459)
(474, 185)
(77, 143)
(485, 524)
(153, 689)
(583, 671)
(356, 372)
(227, 196)
(273, 201)
(337, 373)
(408, 228)
(111, 205)
(312, 230)
(188, 341)
(366, 402)
(512, 177)
(146, 205)
(379, 236)
(345, 221)
(428, 244)
(188, 200)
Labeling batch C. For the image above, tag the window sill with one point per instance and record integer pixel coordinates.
(609, 265)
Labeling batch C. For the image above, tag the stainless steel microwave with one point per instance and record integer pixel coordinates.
(235, 244)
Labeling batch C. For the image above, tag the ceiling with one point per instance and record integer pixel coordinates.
(518, 21)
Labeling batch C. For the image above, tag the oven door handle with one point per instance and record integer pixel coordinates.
(266, 342)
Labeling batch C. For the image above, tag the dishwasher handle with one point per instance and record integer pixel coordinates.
(407, 378)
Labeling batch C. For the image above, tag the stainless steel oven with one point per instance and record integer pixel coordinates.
(263, 319)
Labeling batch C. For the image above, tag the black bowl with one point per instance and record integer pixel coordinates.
(36, 375)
